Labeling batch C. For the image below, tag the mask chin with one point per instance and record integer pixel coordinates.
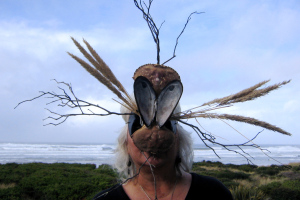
(154, 139)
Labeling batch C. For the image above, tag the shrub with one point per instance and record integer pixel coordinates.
(208, 164)
(229, 183)
(292, 184)
(296, 168)
(56, 181)
(287, 190)
(10, 193)
(245, 168)
(291, 175)
(246, 193)
(271, 170)
(267, 189)
(227, 174)
(83, 181)
(285, 194)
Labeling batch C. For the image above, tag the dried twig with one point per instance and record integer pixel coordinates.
(187, 21)
(209, 140)
(142, 6)
(65, 100)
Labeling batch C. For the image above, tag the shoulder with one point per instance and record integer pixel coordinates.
(113, 193)
(208, 187)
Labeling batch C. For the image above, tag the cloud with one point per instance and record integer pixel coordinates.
(292, 106)
(221, 52)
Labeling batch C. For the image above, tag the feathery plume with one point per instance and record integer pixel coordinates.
(248, 94)
(106, 71)
(238, 118)
(103, 73)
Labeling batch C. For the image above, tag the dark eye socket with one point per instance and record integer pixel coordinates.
(171, 125)
(168, 125)
(134, 123)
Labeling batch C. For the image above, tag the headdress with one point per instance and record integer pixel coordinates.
(157, 90)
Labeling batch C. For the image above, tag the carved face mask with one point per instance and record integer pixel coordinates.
(157, 91)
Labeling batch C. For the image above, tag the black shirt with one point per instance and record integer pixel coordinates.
(202, 187)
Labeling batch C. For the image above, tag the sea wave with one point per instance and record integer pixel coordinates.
(104, 154)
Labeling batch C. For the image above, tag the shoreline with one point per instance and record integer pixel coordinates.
(111, 164)
(105, 153)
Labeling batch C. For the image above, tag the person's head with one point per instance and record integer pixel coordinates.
(181, 153)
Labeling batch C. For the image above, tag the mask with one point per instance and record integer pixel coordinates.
(157, 91)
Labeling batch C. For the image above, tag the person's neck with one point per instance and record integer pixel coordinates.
(158, 180)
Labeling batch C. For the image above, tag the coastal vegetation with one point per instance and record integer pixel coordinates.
(83, 181)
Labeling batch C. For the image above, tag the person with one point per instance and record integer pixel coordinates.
(160, 176)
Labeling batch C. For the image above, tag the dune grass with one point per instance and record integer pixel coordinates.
(83, 181)
(252, 182)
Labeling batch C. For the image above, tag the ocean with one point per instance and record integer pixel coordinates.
(104, 154)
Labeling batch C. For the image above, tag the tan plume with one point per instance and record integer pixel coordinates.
(248, 94)
(237, 118)
(103, 73)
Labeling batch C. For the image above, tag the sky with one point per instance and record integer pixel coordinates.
(230, 47)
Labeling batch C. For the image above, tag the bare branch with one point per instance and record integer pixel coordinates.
(161, 25)
(65, 100)
(151, 24)
(209, 140)
(43, 93)
(145, 9)
(187, 21)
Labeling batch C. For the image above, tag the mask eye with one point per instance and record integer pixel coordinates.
(167, 101)
(134, 123)
(145, 98)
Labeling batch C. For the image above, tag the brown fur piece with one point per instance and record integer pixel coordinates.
(158, 75)
(155, 140)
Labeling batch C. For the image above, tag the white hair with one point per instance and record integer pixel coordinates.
(185, 149)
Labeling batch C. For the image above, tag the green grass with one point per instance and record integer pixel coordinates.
(83, 181)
